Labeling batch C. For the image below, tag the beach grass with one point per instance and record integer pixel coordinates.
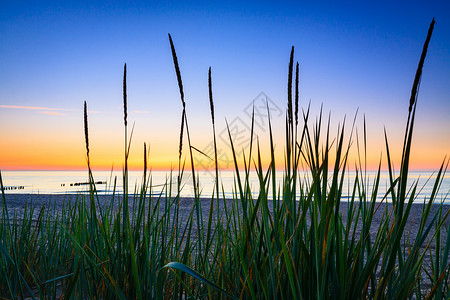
(290, 241)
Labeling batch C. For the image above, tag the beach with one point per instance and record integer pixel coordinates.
(18, 202)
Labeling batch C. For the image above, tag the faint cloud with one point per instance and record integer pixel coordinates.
(41, 110)
(140, 112)
(33, 107)
(52, 113)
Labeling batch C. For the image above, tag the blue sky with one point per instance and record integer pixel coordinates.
(353, 55)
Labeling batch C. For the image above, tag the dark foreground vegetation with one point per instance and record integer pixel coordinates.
(292, 241)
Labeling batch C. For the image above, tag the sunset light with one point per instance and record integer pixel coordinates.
(354, 58)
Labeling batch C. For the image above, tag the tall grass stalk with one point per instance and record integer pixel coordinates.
(185, 120)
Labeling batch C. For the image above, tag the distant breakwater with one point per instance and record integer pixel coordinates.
(23, 187)
(9, 188)
(83, 183)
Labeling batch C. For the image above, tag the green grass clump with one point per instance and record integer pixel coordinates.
(292, 241)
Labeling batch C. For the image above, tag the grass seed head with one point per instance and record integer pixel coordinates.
(86, 133)
(211, 102)
(296, 93)
(177, 70)
(291, 62)
(125, 115)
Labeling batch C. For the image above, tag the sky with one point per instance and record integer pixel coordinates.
(354, 57)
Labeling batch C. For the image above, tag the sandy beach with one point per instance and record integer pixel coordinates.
(17, 202)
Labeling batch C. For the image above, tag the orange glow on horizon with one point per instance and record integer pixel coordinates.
(65, 150)
(166, 165)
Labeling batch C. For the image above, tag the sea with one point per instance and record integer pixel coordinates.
(162, 182)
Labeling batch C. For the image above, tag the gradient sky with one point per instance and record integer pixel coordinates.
(352, 55)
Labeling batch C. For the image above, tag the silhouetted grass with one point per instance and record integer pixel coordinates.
(287, 242)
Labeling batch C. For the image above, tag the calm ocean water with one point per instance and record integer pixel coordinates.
(60, 182)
